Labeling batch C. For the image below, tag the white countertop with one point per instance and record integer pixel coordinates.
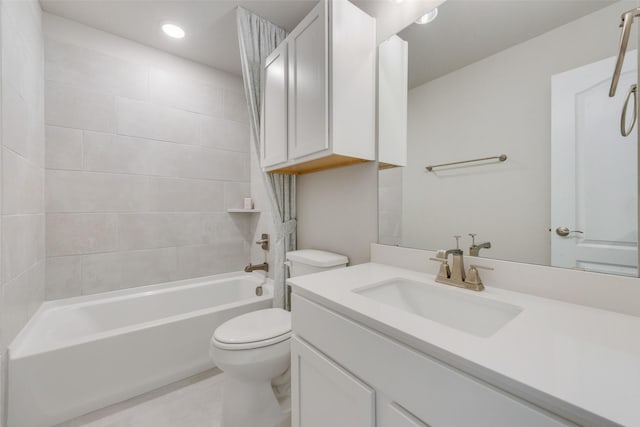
(579, 362)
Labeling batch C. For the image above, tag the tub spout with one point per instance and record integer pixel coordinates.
(249, 268)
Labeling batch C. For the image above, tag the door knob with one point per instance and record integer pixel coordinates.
(564, 231)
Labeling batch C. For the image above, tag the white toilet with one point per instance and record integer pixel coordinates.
(253, 350)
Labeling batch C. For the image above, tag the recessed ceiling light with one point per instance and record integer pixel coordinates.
(172, 30)
(427, 17)
(396, 1)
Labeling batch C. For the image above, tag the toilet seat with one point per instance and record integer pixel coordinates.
(256, 329)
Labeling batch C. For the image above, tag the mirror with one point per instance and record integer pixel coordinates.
(528, 80)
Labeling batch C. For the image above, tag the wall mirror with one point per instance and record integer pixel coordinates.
(529, 81)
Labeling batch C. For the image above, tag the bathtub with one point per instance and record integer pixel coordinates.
(84, 353)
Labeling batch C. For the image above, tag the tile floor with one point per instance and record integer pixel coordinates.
(194, 402)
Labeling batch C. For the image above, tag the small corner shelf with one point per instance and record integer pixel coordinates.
(243, 210)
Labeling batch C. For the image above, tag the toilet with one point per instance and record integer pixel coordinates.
(253, 351)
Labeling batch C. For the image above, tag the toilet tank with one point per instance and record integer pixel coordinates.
(307, 261)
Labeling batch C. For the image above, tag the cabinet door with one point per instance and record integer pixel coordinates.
(308, 71)
(324, 394)
(274, 109)
(393, 60)
(394, 415)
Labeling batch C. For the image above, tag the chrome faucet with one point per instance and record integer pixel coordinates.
(455, 276)
(474, 250)
(251, 267)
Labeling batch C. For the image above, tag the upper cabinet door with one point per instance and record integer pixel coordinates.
(275, 110)
(393, 63)
(308, 71)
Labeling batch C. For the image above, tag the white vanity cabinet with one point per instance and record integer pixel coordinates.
(329, 81)
(343, 370)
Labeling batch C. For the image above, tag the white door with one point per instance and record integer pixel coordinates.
(308, 71)
(274, 109)
(325, 395)
(593, 171)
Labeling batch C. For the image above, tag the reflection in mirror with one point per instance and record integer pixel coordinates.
(530, 80)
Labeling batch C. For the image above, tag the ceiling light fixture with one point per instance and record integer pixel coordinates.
(172, 30)
(427, 17)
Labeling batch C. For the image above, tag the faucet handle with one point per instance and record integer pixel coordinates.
(481, 267)
(473, 238)
(444, 272)
(473, 277)
(441, 254)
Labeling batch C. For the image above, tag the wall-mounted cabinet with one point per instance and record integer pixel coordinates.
(393, 72)
(319, 93)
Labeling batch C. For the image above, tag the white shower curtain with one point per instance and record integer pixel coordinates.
(258, 38)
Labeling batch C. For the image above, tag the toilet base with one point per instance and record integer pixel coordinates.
(251, 404)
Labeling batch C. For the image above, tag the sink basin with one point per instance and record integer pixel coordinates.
(451, 307)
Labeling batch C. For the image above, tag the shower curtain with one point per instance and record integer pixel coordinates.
(258, 38)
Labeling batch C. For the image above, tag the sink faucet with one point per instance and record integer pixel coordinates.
(455, 276)
(474, 250)
(251, 267)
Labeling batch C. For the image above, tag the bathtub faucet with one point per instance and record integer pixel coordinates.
(249, 268)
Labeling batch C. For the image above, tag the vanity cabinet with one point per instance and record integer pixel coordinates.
(321, 82)
(341, 369)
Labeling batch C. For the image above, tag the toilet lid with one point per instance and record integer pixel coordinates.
(260, 325)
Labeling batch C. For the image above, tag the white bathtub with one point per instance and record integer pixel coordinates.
(84, 353)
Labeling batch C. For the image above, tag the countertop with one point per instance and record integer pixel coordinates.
(579, 362)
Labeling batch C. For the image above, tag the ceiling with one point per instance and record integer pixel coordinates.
(210, 24)
(466, 31)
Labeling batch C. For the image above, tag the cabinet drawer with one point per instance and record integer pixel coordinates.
(432, 391)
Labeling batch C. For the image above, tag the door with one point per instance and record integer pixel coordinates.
(324, 394)
(275, 111)
(593, 172)
(308, 71)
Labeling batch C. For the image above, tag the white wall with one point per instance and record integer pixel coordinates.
(22, 166)
(145, 152)
(337, 210)
(390, 206)
(498, 105)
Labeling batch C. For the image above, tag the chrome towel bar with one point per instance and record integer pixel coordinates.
(501, 157)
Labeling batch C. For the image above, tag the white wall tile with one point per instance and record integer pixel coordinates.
(235, 106)
(119, 270)
(186, 195)
(22, 185)
(129, 183)
(22, 243)
(224, 133)
(22, 127)
(194, 261)
(234, 194)
(74, 191)
(95, 71)
(72, 107)
(63, 148)
(175, 90)
(63, 277)
(159, 230)
(74, 234)
(146, 120)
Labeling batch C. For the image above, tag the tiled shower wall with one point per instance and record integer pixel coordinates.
(142, 162)
(22, 166)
